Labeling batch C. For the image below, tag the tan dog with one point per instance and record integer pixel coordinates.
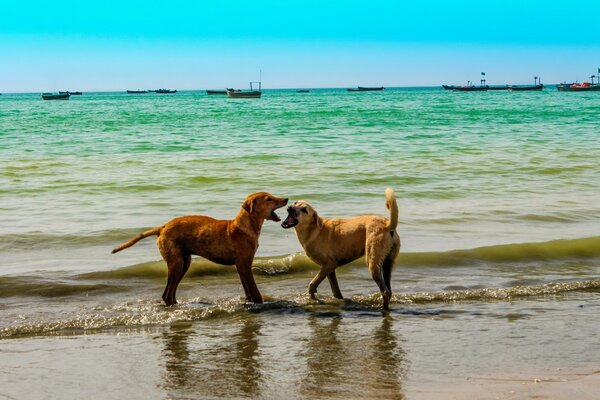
(334, 242)
(224, 242)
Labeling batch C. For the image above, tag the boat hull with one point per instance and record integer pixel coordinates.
(64, 96)
(569, 88)
(471, 88)
(137, 91)
(525, 88)
(243, 95)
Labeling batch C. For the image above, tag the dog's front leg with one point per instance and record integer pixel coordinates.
(316, 281)
(335, 288)
(244, 270)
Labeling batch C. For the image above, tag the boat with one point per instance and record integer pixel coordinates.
(251, 94)
(137, 91)
(214, 92)
(504, 87)
(469, 87)
(52, 96)
(370, 89)
(238, 94)
(578, 87)
(302, 91)
(516, 88)
(71, 93)
(163, 91)
(366, 89)
(581, 87)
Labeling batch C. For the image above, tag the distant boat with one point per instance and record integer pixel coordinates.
(578, 87)
(238, 94)
(51, 96)
(252, 94)
(215, 92)
(71, 93)
(302, 91)
(370, 89)
(137, 91)
(366, 89)
(163, 91)
(516, 88)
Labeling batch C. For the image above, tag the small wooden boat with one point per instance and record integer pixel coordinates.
(370, 89)
(164, 91)
(51, 96)
(71, 93)
(366, 89)
(252, 94)
(578, 87)
(302, 91)
(238, 94)
(516, 88)
(137, 91)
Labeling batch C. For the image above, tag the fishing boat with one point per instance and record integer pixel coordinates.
(366, 89)
(302, 91)
(137, 91)
(581, 87)
(469, 87)
(537, 85)
(578, 87)
(71, 93)
(164, 91)
(52, 96)
(238, 94)
(252, 94)
(370, 89)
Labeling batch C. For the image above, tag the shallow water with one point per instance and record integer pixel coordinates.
(499, 269)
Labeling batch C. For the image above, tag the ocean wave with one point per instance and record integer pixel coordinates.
(146, 313)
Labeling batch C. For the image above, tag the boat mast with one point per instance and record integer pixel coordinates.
(482, 82)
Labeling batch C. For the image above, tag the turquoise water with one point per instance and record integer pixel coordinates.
(499, 220)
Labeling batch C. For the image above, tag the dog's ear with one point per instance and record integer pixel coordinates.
(317, 220)
(249, 205)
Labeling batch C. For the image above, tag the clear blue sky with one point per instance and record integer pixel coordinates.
(130, 44)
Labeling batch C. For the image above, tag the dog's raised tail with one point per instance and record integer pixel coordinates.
(390, 203)
(150, 232)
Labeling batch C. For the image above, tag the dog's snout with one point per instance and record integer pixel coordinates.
(285, 200)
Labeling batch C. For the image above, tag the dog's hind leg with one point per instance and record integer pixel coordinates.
(337, 293)
(178, 266)
(386, 267)
(375, 257)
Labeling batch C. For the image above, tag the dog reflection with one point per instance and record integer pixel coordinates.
(342, 363)
(213, 366)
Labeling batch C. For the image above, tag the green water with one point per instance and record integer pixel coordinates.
(499, 221)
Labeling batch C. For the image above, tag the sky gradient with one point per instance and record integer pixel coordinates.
(108, 45)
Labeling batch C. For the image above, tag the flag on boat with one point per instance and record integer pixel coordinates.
(483, 73)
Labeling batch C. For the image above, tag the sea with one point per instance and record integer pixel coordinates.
(498, 276)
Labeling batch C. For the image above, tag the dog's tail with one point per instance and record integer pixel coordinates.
(390, 203)
(150, 232)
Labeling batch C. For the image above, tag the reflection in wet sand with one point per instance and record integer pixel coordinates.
(222, 365)
(342, 363)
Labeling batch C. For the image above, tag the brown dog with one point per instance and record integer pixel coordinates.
(334, 242)
(224, 242)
